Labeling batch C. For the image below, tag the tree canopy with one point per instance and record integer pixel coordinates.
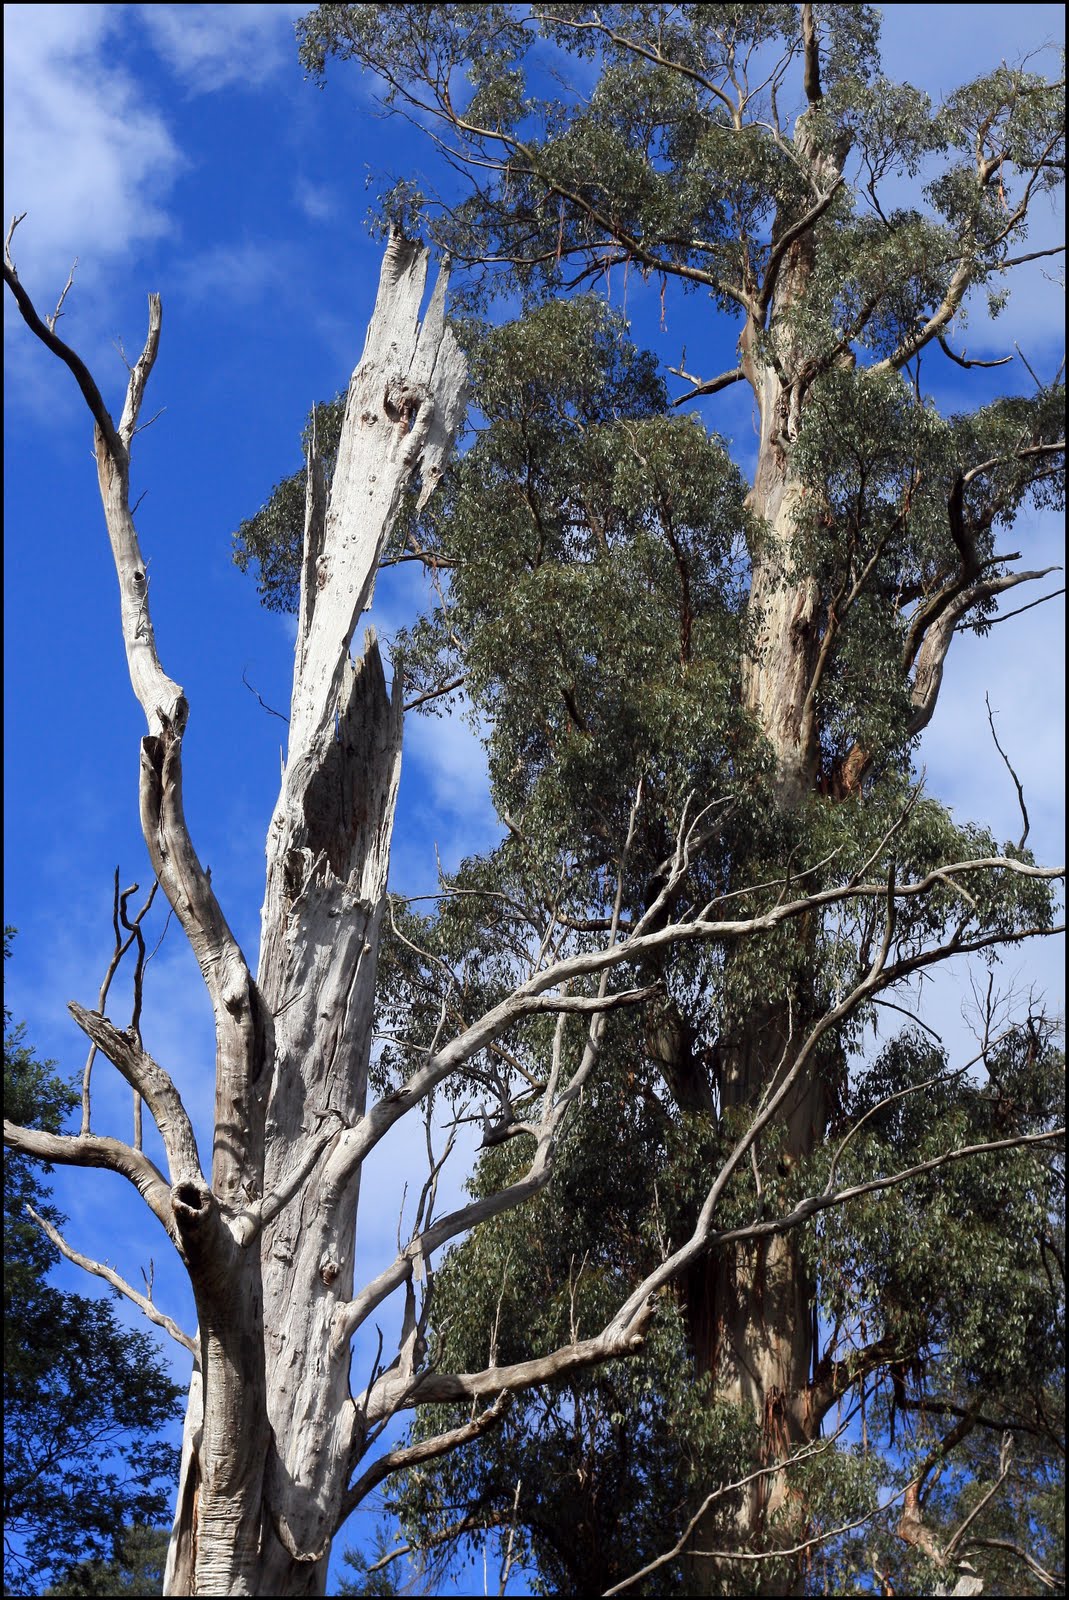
(599, 565)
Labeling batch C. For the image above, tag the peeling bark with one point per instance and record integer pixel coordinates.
(268, 1237)
(265, 1526)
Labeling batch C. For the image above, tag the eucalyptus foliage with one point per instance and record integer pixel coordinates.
(602, 578)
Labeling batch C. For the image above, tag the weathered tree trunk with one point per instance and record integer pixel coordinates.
(271, 1443)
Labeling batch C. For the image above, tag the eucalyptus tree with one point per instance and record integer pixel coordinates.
(684, 875)
(844, 243)
(562, 530)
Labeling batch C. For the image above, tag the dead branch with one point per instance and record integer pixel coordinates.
(242, 1031)
(393, 1393)
(100, 1269)
(119, 913)
(82, 376)
(1009, 769)
(94, 1150)
(961, 360)
(154, 1086)
(1049, 1580)
(245, 680)
(1004, 616)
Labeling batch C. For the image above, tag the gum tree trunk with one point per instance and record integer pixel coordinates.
(751, 1309)
(269, 1441)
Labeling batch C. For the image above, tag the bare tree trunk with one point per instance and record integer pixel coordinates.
(272, 1436)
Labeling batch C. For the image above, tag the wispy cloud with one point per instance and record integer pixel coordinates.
(236, 272)
(212, 47)
(316, 200)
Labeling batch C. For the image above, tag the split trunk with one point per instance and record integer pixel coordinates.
(272, 1435)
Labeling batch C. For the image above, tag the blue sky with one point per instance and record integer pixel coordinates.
(178, 149)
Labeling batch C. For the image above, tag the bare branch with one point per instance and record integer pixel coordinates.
(962, 362)
(1004, 616)
(101, 1270)
(393, 1393)
(1049, 1580)
(82, 376)
(153, 1084)
(245, 680)
(58, 312)
(814, 1203)
(1009, 769)
(93, 1150)
(705, 386)
(531, 997)
(1055, 447)
(414, 1455)
(788, 1551)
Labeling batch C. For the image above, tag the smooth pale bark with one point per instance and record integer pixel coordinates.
(270, 1440)
(750, 1310)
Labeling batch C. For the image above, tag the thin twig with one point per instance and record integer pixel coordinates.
(58, 312)
(1004, 616)
(143, 425)
(244, 678)
(1028, 367)
(1009, 769)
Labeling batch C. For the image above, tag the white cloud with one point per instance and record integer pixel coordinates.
(209, 47)
(84, 154)
(451, 760)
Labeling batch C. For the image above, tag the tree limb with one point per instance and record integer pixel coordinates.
(100, 1269)
(154, 1086)
(392, 1393)
(405, 1456)
(94, 1150)
(242, 1030)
